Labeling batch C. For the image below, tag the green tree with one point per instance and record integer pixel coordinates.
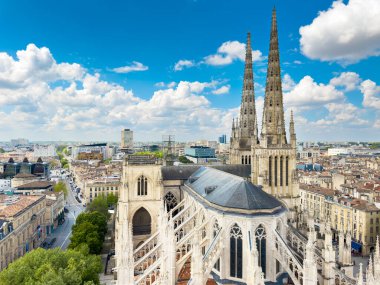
(60, 187)
(2, 150)
(100, 205)
(184, 159)
(53, 267)
(95, 218)
(112, 199)
(86, 233)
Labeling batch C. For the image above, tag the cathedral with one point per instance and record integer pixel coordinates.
(236, 223)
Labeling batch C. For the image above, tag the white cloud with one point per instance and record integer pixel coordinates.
(309, 94)
(350, 80)
(287, 83)
(345, 33)
(371, 94)
(377, 124)
(135, 66)
(222, 90)
(183, 63)
(163, 84)
(230, 51)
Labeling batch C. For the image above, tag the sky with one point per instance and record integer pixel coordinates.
(84, 70)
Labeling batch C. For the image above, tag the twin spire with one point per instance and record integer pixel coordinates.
(273, 124)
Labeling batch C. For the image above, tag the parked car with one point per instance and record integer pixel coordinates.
(65, 210)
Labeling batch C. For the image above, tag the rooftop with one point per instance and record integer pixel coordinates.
(231, 193)
(35, 185)
(11, 206)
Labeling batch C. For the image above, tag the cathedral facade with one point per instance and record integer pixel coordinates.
(271, 154)
(233, 223)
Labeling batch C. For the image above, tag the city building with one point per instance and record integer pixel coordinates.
(105, 186)
(19, 142)
(126, 139)
(223, 139)
(21, 225)
(44, 151)
(34, 188)
(97, 151)
(200, 154)
(54, 213)
(12, 168)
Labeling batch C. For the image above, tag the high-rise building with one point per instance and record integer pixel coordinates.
(223, 139)
(126, 139)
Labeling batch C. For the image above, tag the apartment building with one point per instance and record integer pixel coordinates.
(104, 187)
(21, 225)
(359, 217)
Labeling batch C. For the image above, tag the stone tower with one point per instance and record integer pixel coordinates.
(274, 159)
(244, 130)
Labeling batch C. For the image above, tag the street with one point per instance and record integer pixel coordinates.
(63, 232)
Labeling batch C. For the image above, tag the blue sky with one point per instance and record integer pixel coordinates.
(82, 70)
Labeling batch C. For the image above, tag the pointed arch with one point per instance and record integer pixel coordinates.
(261, 244)
(236, 251)
(170, 200)
(142, 186)
(142, 222)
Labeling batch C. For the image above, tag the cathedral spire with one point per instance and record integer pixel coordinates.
(248, 121)
(273, 128)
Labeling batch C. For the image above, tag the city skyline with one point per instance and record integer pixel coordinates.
(81, 79)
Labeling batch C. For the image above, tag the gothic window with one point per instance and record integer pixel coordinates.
(249, 160)
(275, 171)
(245, 124)
(141, 222)
(287, 171)
(261, 246)
(170, 201)
(271, 87)
(281, 171)
(142, 186)
(215, 230)
(246, 160)
(242, 159)
(250, 98)
(236, 252)
(277, 87)
(270, 171)
(271, 72)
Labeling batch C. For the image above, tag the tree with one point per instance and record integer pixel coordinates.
(184, 159)
(112, 199)
(100, 205)
(60, 187)
(86, 233)
(95, 218)
(55, 267)
(2, 150)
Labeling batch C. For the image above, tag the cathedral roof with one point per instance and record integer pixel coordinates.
(231, 193)
(183, 172)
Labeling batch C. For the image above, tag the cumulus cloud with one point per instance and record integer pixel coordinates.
(135, 66)
(287, 83)
(45, 99)
(345, 33)
(309, 94)
(183, 63)
(371, 94)
(222, 90)
(230, 51)
(350, 80)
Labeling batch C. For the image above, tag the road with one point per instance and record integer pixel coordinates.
(63, 232)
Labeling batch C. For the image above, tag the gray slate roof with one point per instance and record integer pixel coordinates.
(183, 172)
(230, 191)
